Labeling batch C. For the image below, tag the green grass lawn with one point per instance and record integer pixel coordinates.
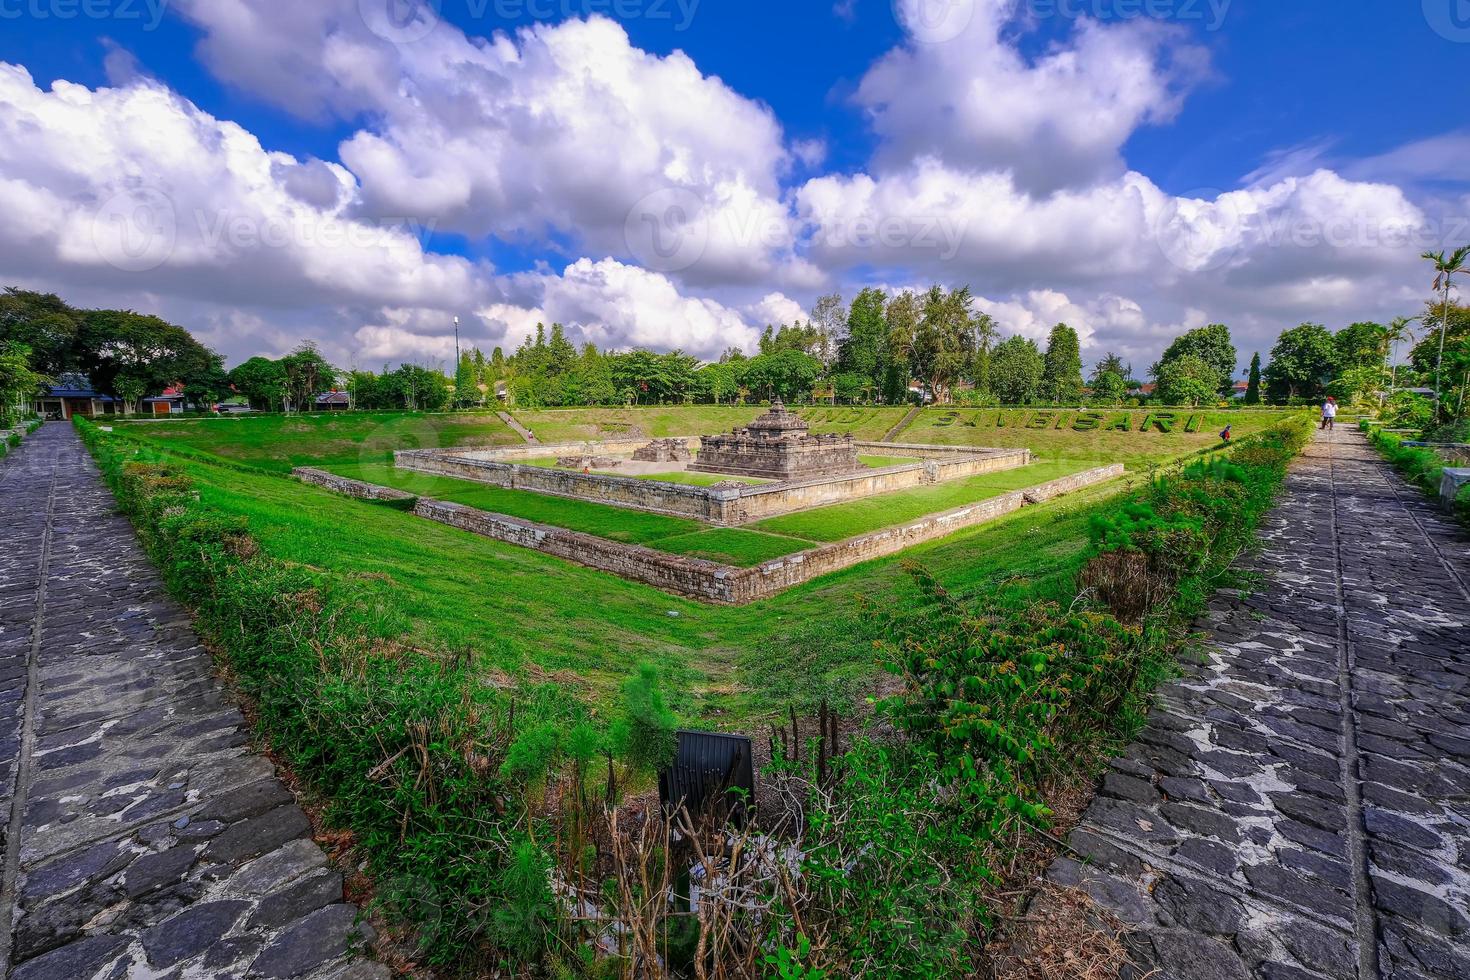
(280, 442)
(581, 424)
(1136, 448)
(838, 521)
(883, 462)
(734, 546)
(526, 613)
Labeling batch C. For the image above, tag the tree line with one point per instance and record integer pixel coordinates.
(880, 348)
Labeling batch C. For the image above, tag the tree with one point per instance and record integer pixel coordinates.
(465, 393)
(18, 383)
(131, 389)
(1210, 344)
(261, 381)
(719, 382)
(944, 340)
(1445, 270)
(1301, 363)
(1360, 345)
(111, 343)
(787, 374)
(1398, 332)
(1187, 380)
(42, 323)
(901, 316)
(1109, 388)
(306, 374)
(1061, 375)
(1015, 370)
(864, 348)
(1253, 385)
(1113, 363)
(828, 318)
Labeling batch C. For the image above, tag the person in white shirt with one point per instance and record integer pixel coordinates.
(1329, 413)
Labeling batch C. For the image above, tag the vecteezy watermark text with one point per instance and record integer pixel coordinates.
(406, 21)
(150, 12)
(1210, 13)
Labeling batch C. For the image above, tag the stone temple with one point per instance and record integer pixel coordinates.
(777, 446)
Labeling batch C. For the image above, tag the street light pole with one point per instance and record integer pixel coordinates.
(456, 345)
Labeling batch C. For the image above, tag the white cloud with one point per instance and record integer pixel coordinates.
(563, 129)
(135, 195)
(964, 92)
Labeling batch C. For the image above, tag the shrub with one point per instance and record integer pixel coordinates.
(645, 734)
(412, 753)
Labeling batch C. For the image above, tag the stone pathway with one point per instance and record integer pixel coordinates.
(1299, 806)
(142, 838)
(521, 430)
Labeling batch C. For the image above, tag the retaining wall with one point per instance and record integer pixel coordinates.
(710, 581)
(351, 488)
(729, 507)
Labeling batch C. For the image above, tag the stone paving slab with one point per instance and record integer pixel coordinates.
(1299, 804)
(142, 838)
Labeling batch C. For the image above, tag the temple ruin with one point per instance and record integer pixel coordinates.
(777, 446)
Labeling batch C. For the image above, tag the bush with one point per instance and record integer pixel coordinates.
(411, 752)
(1419, 465)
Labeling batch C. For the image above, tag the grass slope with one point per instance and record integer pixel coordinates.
(280, 442)
(529, 614)
(1036, 429)
(838, 521)
(579, 424)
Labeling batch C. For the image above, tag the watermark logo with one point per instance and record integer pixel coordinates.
(934, 21)
(1450, 19)
(1199, 232)
(135, 230)
(150, 12)
(667, 231)
(1210, 14)
(400, 21)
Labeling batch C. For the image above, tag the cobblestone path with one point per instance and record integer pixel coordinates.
(141, 836)
(1299, 806)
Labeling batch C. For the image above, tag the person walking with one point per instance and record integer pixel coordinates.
(1329, 413)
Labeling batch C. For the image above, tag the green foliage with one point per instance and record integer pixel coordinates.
(1061, 375)
(1210, 345)
(1421, 466)
(1109, 388)
(1302, 362)
(1187, 380)
(1016, 368)
(1253, 384)
(644, 734)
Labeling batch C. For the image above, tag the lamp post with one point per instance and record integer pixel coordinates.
(456, 345)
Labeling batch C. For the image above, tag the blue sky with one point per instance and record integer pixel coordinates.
(1230, 140)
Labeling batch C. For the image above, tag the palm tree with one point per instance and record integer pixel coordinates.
(1398, 333)
(1445, 270)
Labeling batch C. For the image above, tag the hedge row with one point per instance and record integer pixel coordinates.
(404, 745)
(1001, 698)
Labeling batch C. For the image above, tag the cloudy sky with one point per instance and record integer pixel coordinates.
(678, 173)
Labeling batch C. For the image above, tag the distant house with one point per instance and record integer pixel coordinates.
(234, 405)
(1145, 390)
(333, 401)
(1239, 389)
(74, 395)
(171, 402)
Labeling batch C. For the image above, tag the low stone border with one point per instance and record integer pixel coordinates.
(709, 581)
(350, 488)
(728, 507)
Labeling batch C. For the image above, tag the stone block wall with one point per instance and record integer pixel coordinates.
(710, 581)
(351, 488)
(725, 506)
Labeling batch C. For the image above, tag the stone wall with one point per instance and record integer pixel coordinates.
(351, 488)
(725, 506)
(712, 582)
